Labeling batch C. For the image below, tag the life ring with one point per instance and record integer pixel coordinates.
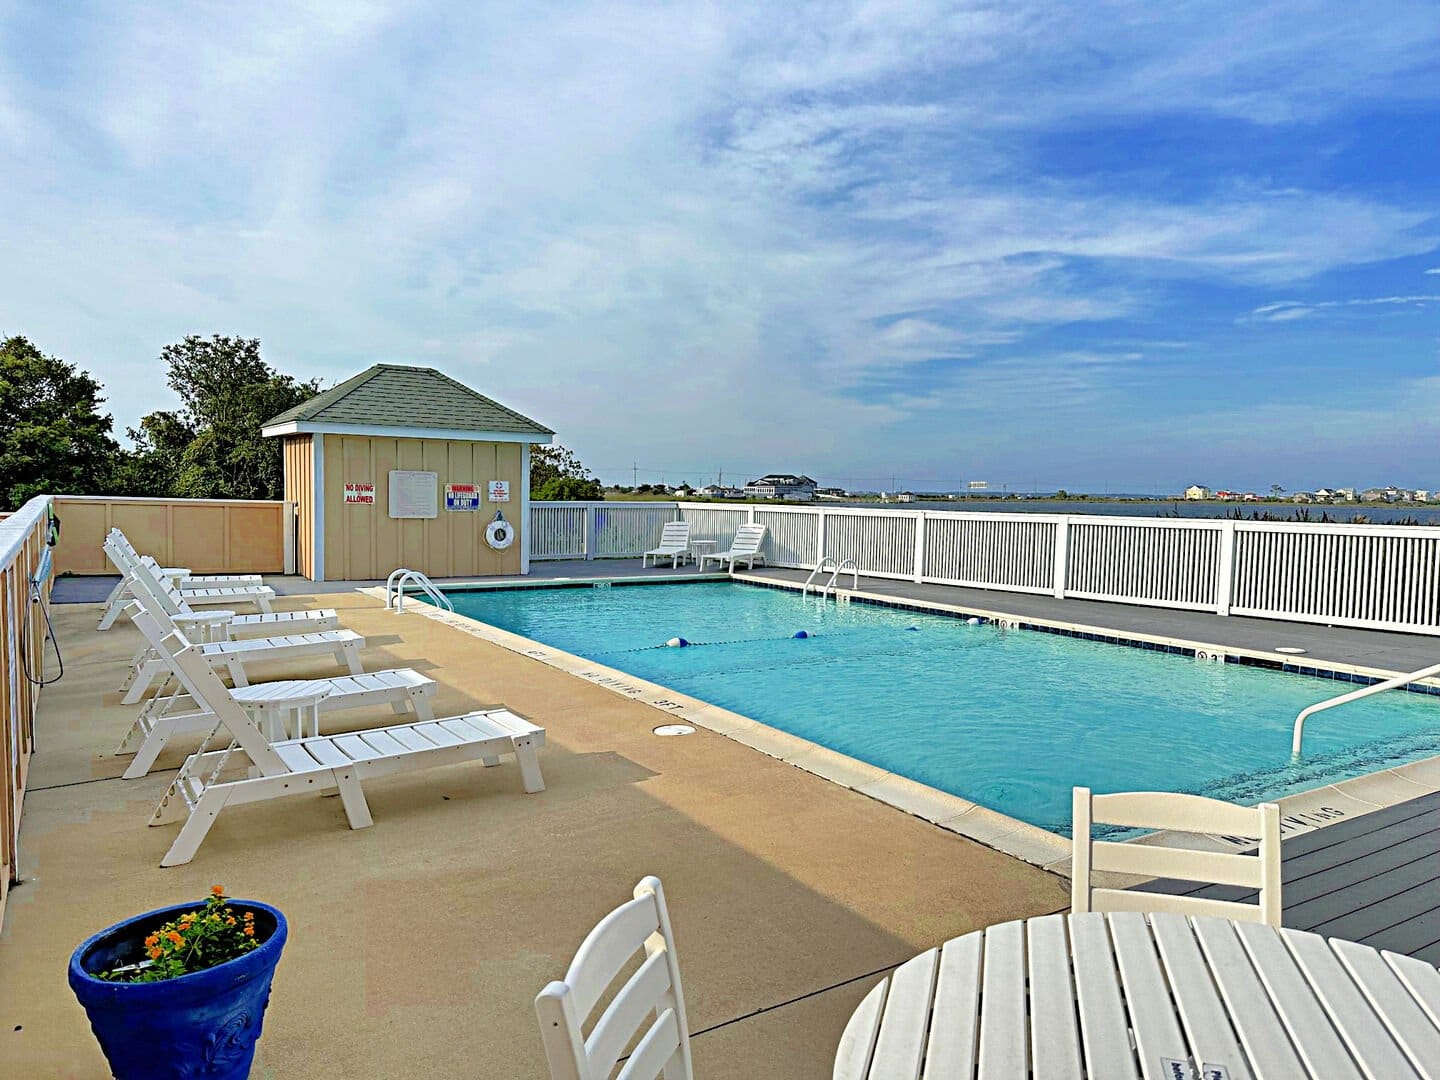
(499, 534)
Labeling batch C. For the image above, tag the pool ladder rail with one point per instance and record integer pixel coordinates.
(395, 590)
(827, 563)
(1356, 695)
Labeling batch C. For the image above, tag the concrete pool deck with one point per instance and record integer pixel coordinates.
(417, 945)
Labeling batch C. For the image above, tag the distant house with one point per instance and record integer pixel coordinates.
(1304, 497)
(831, 493)
(1344, 494)
(1385, 494)
(905, 496)
(782, 486)
(1322, 495)
(1227, 496)
(1250, 496)
(1197, 491)
(717, 491)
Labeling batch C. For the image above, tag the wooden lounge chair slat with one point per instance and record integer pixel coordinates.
(324, 751)
(439, 735)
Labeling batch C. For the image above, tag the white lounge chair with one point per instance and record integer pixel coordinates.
(205, 596)
(744, 548)
(344, 645)
(218, 625)
(674, 545)
(1182, 813)
(651, 1000)
(320, 764)
(170, 714)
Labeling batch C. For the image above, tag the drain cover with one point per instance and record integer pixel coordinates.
(1291, 649)
(674, 729)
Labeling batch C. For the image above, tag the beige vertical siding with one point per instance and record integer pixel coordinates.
(210, 536)
(364, 542)
(300, 490)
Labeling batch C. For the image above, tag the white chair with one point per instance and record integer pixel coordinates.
(745, 548)
(165, 715)
(320, 764)
(674, 545)
(344, 645)
(1182, 813)
(214, 625)
(208, 595)
(651, 1000)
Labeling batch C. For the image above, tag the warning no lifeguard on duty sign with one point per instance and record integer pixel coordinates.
(462, 497)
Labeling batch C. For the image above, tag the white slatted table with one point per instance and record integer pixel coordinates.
(1130, 995)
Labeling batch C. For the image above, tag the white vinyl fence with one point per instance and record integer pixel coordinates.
(1381, 576)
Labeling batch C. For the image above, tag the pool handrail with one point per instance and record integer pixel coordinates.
(395, 590)
(829, 563)
(1356, 695)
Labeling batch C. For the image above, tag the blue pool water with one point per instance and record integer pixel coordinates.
(1009, 719)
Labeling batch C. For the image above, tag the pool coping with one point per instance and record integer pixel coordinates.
(1301, 812)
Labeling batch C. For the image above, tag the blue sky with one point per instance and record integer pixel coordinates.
(1107, 246)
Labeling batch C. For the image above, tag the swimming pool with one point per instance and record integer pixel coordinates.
(1008, 719)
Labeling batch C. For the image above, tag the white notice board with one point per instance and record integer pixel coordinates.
(413, 494)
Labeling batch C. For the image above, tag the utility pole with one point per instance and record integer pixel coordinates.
(634, 474)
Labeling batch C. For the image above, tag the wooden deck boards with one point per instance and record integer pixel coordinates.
(1374, 879)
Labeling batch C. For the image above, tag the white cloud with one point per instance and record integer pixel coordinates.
(1289, 310)
(734, 217)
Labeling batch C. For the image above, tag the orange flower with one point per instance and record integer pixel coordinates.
(230, 921)
(175, 938)
(218, 890)
(249, 916)
(249, 931)
(154, 954)
(152, 941)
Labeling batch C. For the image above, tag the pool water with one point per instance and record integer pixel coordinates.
(1009, 719)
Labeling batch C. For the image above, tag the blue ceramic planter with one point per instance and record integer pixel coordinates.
(201, 1025)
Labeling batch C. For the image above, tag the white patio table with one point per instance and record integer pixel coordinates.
(1147, 995)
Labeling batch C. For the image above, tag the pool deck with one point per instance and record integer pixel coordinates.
(1373, 879)
(417, 945)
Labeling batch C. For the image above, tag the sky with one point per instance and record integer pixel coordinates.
(1101, 246)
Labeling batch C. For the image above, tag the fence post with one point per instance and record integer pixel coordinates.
(920, 547)
(820, 539)
(750, 515)
(1062, 555)
(589, 531)
(1225, 571)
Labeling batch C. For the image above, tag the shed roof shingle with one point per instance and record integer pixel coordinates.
(397, 395)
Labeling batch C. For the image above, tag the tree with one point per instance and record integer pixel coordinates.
(556, 475)
(54, 438)
(213, 443)
(1276, 491)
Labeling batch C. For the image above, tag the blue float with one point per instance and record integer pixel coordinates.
(676, 643)
(800, 634)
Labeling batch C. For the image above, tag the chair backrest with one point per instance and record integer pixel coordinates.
(121, 554)
(675, 534)
(1182, 813)
(651, 994)
(748, 539)
(200, 681)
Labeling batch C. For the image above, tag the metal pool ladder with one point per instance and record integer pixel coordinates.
(828, 563)
(1356, 695)
(395, 590)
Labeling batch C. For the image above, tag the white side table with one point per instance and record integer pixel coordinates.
(272, 703)
(701, 547)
